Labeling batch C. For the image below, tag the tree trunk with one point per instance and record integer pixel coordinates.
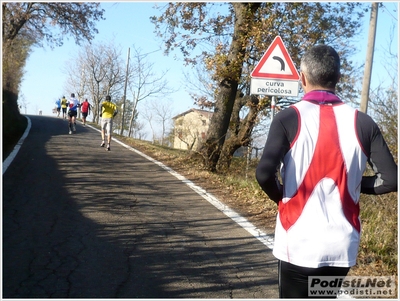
(228, 85)
(240, 130)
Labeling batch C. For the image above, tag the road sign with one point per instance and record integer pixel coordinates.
(275, 74)
(274, 87)
(276, 63)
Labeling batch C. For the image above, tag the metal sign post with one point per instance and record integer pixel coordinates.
(273, 103)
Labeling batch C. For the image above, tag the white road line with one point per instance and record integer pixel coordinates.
(11, 156)
(266, 239)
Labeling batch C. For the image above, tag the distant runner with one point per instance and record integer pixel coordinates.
(73, 105)
(108, 112)
(85, 109)
(58, 104)
(64, 107)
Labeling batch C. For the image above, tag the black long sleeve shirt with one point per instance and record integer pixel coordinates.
(283, 131)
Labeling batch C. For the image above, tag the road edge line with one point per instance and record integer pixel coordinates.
(266, 239)
(15, 151)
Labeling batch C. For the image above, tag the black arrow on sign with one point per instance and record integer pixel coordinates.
(281, 61)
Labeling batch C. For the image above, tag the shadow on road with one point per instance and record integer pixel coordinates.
(80, 222)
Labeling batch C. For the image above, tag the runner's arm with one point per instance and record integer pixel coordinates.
(276, 146)
(380, 158)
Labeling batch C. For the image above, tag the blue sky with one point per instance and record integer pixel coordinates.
(128, 24)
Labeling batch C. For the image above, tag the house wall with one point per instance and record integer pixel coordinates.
(190, 130)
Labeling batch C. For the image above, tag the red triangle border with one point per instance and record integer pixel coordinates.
(277, 42)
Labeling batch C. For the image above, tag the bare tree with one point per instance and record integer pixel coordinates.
(97, 71)
(139, 132)
(76, 81)
(23, 102)
(163, 114)
(133, 115)
(145, 83)
(148, 115)
(383, 101)
(202, 83)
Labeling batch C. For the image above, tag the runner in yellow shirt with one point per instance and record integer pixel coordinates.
(108, 112)
(64, 107)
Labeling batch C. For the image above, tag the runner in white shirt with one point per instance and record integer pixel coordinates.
(73, 105)
(321, 146)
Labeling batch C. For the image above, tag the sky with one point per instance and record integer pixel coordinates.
(128, 24)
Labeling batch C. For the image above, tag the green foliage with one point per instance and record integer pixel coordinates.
(35, 21)
(209, 26)
(15, 54)
(29, 23)
(14, 124)
(232, 37)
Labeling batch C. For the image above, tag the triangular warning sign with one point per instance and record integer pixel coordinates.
(276, 63)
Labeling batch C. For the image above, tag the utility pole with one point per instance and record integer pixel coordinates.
(126, 83)
(369, 59)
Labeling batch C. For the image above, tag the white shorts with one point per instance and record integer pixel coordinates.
(106, 125)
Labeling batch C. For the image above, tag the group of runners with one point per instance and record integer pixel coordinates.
(63, 104)
(108, 112)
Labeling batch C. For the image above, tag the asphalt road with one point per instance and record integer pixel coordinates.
(81, 222)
